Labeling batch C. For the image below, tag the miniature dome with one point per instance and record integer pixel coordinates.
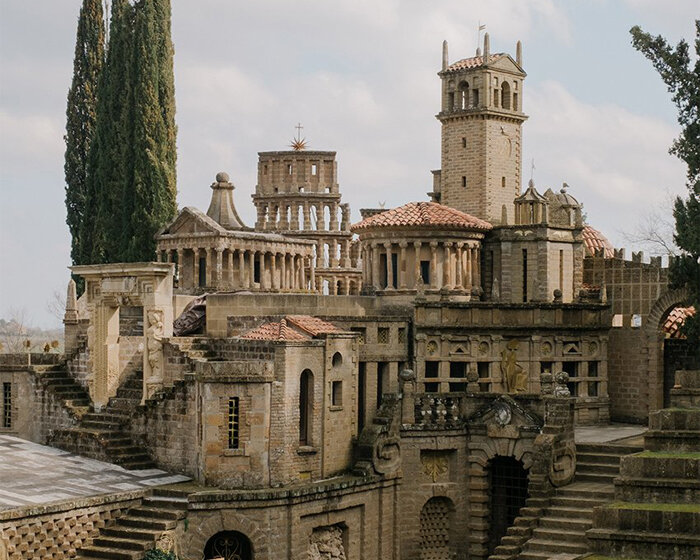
(565, 199)
(423, 215)
(594, 241)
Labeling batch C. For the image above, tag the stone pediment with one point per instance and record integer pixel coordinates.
(506, 411)
(192, 221)
(506, 64)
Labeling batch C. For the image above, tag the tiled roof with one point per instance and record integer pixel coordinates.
(473, 62)
(675, 320)
(423, 214)
(292, 328)
(593, 239)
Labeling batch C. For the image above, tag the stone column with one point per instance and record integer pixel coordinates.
(320, 218)
(302, 274)
(468, 273)
(476, 275)
(333, 287)
(434, 279)
(295, 217)
(241, 269)
(345, 213)
(219, 254)
(446, 265)
(389, 267)
(260, 222)
(263, 280)
(180, 268)
(346, 250)
(458, 267)
(273, 271)
(283, 272)
(402, 265)
(307, 216)
(333, 226)
(195, 259)
(251, 269)
(375, 266)
(312, 273)
(416, 264)
(229, 265)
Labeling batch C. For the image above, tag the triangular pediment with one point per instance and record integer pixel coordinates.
(506, 64)
(190, 221)
(506, 411)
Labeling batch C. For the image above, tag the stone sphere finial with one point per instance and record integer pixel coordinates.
(222, 177)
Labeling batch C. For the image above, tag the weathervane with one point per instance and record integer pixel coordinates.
(298, 143)
(478, 37)
(532, 170)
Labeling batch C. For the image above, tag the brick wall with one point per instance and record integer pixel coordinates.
(628, 383)
(55, 532)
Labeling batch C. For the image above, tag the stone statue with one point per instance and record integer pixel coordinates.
(560, 385)
(514, 376)
(154, 346)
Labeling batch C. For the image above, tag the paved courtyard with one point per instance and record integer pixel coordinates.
(611, 433)
(33, 474)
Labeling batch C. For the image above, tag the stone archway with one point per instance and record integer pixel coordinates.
(225, 521)
(481, 451)
(654, 341)
(436, 529)
(228, 545)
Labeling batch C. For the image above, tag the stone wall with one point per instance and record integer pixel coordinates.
(78, 367)
(55, 532)
(628, 384)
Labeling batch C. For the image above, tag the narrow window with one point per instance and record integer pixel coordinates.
(394, 270)
(256, 270)
(337, 393)
(451, 101)
(202, 272)
(382, 380)
(464, 182)
(475, 97)
(524, 275)
(483, 370)
(306, 396)
(503, 182)
(431, 387)
(314, 169)
(402, 335)
(233, 422)
(265, 169)
(515, 101)
(425, 272)
(561, 271)
(458, 369)
(7, 405)
(464, 142)
(383, 335)
(432, 369)
(289, 169)
(361, 395)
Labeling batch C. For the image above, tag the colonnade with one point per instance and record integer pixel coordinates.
(452, 265)
(242, 269)
(297, 216)
(336, 253)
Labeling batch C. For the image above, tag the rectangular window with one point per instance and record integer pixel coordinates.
(233, 422)
(431, 387)
(361, 395)
(314, 169)
(7, 405)
(361, 332)
(432, 369)
(202, 272)
(382, 380)
(450, 101)
(458, 369)
(464, 182)
(256, 271)
(425, 272)
(503, 182)
(546, 367)
(592, 369)
(484, 371)
(337, 393)
(289, 169)
(592, 389)
(394, 270)
(515, 100)
(524, 275)
(475, 97)
(464, 142)
(402, 335)
(383, 335)
(458, 387)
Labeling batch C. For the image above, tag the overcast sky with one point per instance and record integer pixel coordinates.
(360, 75)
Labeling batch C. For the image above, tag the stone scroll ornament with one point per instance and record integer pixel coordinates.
(514, 376)
(378, 448)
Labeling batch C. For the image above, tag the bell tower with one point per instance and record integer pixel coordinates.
(482, 117)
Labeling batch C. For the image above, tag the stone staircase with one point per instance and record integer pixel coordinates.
(562, 528)
(103, 435)
(57, 381)
(140, 528)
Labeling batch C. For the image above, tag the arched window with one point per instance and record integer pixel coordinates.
(306, 405)
(505, 95)
(229, 545)
(337, 359)
(463, 95)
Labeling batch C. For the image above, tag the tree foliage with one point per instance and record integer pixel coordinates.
(682, 76)
(81, 118)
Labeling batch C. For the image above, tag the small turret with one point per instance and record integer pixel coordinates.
(487, 48)
(221, 209)
(519, 54)
(445, 58)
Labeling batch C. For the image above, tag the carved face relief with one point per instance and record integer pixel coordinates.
(502, 413)
(546, 349)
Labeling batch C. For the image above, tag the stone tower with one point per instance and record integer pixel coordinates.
(298, 195)
(481, 118)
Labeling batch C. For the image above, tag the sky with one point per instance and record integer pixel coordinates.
(360, 76)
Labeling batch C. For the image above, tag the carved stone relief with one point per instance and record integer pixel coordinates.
(514, 376)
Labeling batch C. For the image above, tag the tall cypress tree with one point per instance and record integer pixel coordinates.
(111, 160)
(151, 202)
(81, 116)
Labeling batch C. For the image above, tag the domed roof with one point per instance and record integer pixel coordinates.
(423, 215)
(593, 240)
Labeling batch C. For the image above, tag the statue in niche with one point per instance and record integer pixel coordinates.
(154, 345)
(514, 376)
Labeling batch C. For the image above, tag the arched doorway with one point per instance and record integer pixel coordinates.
(436, 529)
(229, 545)
(508, 490)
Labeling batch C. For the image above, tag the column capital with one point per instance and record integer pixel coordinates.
(387, 245)
(433, 244)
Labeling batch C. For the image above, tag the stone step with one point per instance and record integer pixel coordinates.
(596, 468)
(567, 523)
(156, 513)
(599, 478)
(555, 535)
(545, 545)
(170, 502)
(677, 440)
(122, 543)
(606, 449)
(580, 502)
(598, 458)
(110, 553)
(147, 523)
(132, 533)
(587, 490)
(654, 490)
(570, 512)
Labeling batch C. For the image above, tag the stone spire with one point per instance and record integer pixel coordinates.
(221, 209)
(71, 314)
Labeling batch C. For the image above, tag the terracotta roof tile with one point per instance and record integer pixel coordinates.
(472, 62)
(675, 320)
(292, 328)
(425, 215)
(594, 240)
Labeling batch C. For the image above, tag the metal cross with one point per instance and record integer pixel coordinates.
(532, 170)
(299, 129)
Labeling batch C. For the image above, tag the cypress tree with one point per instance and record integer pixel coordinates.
(81, 115)
(151, 201)
(111, 161)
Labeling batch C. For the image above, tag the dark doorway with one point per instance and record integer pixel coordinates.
(361, 396)
(202, 280)
(508, 492)
(229, 545)
(678, 354)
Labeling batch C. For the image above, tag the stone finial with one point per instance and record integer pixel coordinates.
(221, 208)
(445, 59)
(71, 313)
(519, 54)
(487, 47)
(557, 296)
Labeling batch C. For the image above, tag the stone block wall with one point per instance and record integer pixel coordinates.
(56, 532)
(78, 367)
(628, 384)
